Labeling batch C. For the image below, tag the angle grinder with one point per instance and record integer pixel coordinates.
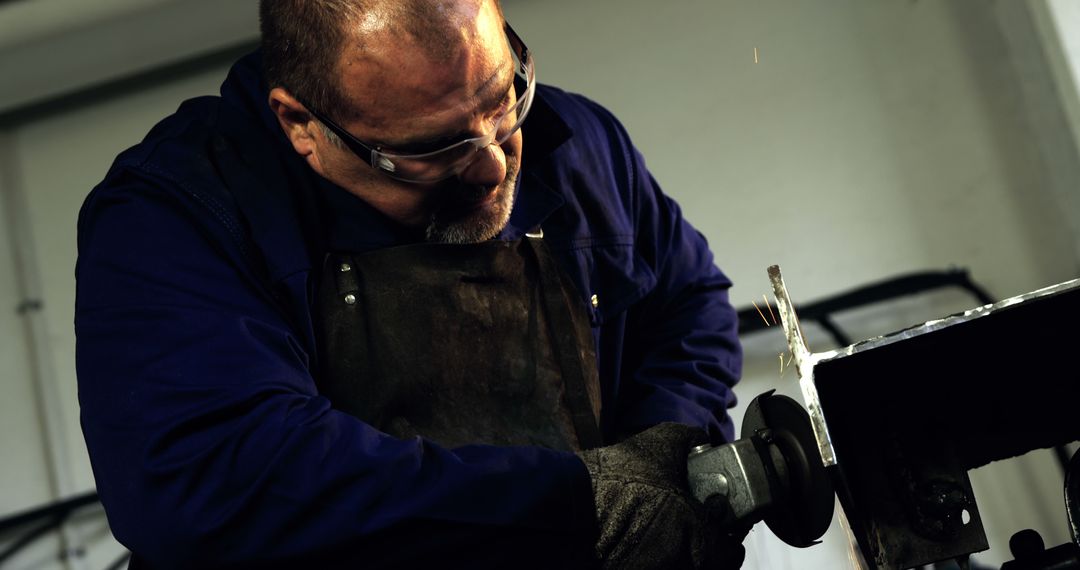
(774, 473)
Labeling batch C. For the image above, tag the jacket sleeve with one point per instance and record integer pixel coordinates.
(210, 444)
(681, 354)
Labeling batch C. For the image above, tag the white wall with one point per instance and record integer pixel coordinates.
(870, 139)
(60, 158)
(114, 39)
(1060, 20)
(24, 480)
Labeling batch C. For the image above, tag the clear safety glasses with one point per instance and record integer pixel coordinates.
(451, 160)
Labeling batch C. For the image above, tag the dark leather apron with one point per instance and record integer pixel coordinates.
(462, 344)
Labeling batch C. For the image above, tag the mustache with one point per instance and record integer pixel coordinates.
(465, 193)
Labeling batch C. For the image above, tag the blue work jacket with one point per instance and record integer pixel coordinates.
(196, 359)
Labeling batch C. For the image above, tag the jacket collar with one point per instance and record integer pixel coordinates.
(544, 131)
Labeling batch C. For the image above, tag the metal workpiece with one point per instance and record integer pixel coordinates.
(940, 506)
(792, 329)
(804, 361)
(1068, 290)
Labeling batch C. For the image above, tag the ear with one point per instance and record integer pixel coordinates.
(295, 120)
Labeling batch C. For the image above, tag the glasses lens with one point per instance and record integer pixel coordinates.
(431, 167)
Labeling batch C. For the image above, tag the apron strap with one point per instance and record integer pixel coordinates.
(565, 345)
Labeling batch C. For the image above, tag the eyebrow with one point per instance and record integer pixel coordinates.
(490, 99)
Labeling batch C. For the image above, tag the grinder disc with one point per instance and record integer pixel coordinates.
(804, 507)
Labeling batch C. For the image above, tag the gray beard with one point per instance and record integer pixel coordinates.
(478, 227)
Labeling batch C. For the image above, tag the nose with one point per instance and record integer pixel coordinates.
(488, 168)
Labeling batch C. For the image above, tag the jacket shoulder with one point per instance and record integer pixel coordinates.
(589, 121)
(174, 166)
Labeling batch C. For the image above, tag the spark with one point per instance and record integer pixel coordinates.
(785, 366)
(760, 313)
(770, 308)
(755, 55)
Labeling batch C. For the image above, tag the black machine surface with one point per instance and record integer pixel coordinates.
(901, 419)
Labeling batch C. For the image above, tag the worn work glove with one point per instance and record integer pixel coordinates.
(648, 518)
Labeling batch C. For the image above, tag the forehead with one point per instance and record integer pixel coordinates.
(411, 77)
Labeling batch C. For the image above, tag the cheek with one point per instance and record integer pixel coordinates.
(512, 146)
(342, 164)
(511, 150)
(404, 203)
(513, 156)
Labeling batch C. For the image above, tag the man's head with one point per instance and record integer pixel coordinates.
(405, 77)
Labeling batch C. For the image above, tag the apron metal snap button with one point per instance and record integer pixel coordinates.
(345, 267)
(350, 299)
(595, 301)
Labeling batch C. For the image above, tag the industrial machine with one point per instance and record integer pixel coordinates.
(897, 421)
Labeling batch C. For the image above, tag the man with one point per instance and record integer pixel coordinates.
(393, 304)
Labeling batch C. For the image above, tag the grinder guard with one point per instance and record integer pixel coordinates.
(774, 473)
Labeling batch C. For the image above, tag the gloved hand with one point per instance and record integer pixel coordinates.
(648, 518)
